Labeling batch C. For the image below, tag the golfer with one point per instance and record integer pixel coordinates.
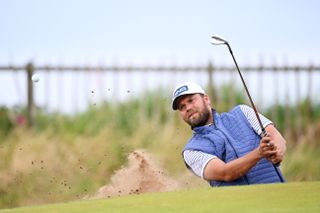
(228, 148)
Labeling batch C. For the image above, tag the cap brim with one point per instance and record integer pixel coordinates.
(174, 104)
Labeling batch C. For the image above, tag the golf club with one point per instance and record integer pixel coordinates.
(217, 40)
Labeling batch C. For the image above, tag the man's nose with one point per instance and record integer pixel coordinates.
(188, 106)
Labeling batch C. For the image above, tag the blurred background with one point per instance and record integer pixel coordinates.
(104, 72)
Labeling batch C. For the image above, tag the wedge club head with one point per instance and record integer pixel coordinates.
(217, 40)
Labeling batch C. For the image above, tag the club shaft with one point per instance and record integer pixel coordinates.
(247, 91)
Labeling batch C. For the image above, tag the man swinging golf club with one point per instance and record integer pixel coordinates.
(239, 147)
(228, 148)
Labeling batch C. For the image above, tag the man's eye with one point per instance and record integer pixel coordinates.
(181, 107)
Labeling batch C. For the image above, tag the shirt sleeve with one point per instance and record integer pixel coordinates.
(252, 119)
(197, 160)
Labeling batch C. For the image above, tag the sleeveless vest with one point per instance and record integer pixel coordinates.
(231, 137)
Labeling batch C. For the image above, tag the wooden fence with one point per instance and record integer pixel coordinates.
(270, 79)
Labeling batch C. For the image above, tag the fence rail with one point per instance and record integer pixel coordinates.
(296, 68)
(209, 71)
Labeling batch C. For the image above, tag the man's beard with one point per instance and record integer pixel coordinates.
(201, 120)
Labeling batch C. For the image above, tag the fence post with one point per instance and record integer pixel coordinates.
(309, 96)
(299, 103)
(30, 104)
(211, 90)
(274, 113)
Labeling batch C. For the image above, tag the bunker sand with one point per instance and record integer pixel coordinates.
(141, 175)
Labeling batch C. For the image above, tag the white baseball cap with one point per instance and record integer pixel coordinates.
(186, 88)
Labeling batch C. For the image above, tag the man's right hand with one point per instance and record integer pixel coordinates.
(279, 144)
(266, 148)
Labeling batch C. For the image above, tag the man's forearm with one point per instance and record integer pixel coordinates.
(239, 167)
(218, 170)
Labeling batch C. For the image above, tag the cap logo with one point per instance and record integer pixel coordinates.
(180, 90)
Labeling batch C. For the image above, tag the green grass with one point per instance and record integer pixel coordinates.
(289, 197)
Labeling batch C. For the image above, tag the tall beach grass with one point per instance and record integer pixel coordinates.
(66, 157)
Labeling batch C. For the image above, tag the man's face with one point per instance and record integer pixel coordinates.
(195, 109)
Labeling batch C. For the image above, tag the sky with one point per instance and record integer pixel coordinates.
(166, 32)
(142, 31)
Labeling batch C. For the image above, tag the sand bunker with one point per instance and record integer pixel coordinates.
(140, 176)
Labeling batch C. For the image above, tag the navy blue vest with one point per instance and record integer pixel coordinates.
(230, 137)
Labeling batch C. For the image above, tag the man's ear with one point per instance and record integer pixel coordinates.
(207, 99)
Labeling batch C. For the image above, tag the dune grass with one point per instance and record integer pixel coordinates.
(65, 158)
(289, 197)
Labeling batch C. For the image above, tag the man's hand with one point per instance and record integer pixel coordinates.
(277, 143)
(266, 148)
